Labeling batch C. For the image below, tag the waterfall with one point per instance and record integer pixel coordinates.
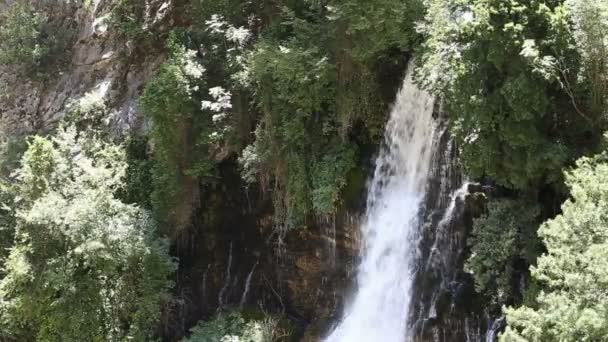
(247, 285)
(379, 309)
(227, 280)
(492, 331)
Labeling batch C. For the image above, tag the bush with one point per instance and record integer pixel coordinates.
(572, 304)
(591, 35)
(84, 265)
(33, 38)
(508, 73)
(180, 133)
(233, 327)
(138, 176)
(376, 29)
(128, 17)
(21, 40)
(501, 237)
(316, 81)
(298, 141)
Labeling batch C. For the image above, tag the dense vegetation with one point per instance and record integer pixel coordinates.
(523, 82)
(572, 303)
(83, 264)
(296, 93)
(315, 80)
(233, 327)
(32, 39)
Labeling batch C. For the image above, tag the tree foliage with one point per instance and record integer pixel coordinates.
(179, 133)
(501, 237)
(297, 130)
(21, 36)
(33, 36)
(315, 80)
(190, 104)
(572, 305)
(376, 28)
(83, 265)
(508, 73)
(128, 18)
(233, 327)
(591, 35)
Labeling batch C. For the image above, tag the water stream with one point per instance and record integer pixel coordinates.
(227, 280)
(247, 285)
(380, 306)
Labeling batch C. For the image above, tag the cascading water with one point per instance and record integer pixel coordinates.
(247, 285)
(380, 307)
(227, 281)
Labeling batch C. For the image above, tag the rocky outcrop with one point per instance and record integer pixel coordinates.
(231, 258)
(446, 306)
(96, 60)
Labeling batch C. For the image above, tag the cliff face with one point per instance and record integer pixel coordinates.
(96, 60)
(230, 256)
(446, 306)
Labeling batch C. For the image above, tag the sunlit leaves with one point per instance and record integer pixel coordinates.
(502, 68)
(84, 265)
(573, 305)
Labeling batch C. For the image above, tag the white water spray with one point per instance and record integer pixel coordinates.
(380, 308)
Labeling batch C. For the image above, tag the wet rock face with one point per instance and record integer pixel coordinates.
(446, 306)
(230, 259)
(319, 267)
(233, 259)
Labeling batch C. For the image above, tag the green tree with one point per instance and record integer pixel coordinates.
(374, 29)
(84, 265)
(297, 135)
(34, 36)
(180, 134)
(128, 18)
(590, 19)
(508, 73)
(233, 327)
(573, 305)
(21, 36)
(502, 236)
(316, 78)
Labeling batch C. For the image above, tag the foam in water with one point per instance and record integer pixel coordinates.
(379, 309)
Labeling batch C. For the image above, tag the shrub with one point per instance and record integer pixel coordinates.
(180, 134)
(34, 37)
(297, 140)
(21, 40)
(507, 72)
(128, 17)
(316, 78)
(233, 327)
(376, 29)
(572, 304)
(505, 234)
(84, 265)
(591, 37)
